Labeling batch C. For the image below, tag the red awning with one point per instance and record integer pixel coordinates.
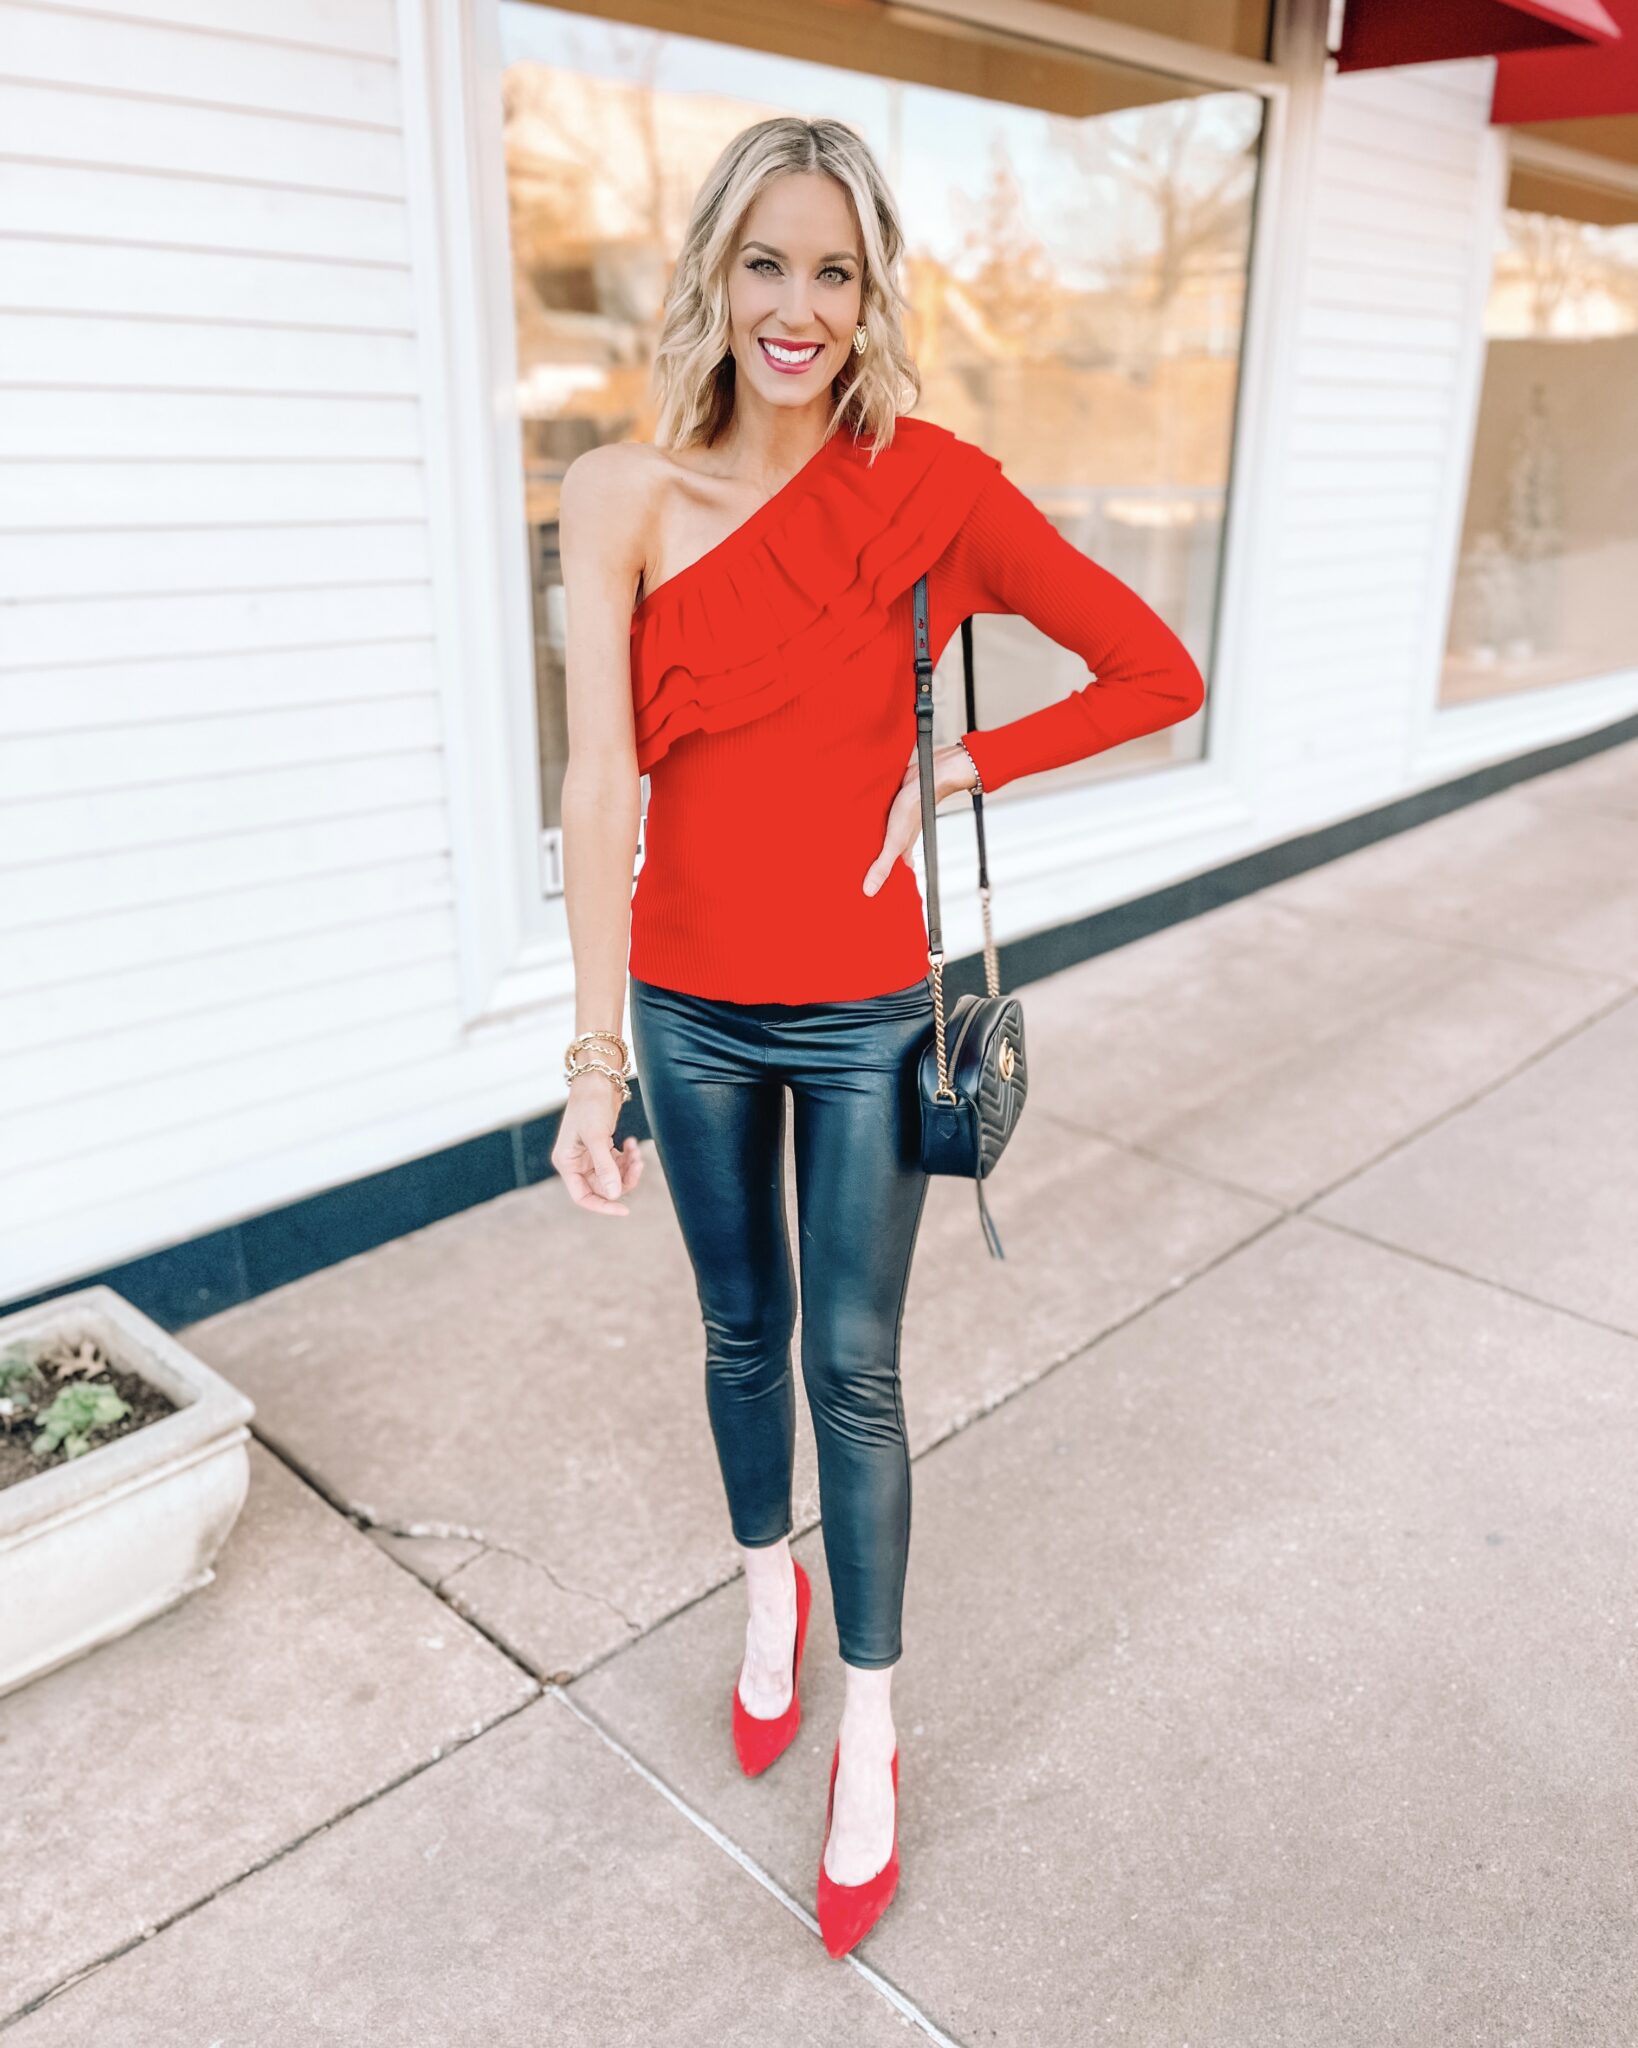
(1559, 85)
(1381, 32)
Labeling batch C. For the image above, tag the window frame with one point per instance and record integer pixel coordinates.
(1448, 740)
(1057, 852)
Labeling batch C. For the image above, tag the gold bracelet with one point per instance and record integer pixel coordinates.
(611, 1039)
(978, 780)
(589, 1037)
(588, 1066)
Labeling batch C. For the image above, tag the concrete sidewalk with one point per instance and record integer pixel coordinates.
(1270, 1639)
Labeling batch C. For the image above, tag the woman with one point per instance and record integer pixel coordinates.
(776, 936)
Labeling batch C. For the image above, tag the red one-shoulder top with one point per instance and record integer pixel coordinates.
(774, 697)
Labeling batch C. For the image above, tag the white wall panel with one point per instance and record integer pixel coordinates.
(113, 938)
(46, 424)
(153, 790)
(104, 561)
(189, 284)
(70, 127)
(96, 205)
(141, 628)
(1385, 317)
(118, 694)
(227, 893)
(364, 28)
(90, 495)
(106, 353)
(100, 52)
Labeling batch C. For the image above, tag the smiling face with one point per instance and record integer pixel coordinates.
(795, 279)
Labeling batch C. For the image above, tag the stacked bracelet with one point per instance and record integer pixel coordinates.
(978, 780)
(579, 1057)
(596, 1038)
(589, 1066)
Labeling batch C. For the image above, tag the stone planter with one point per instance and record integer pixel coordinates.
(93, 1546)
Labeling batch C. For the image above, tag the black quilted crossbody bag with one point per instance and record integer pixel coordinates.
(972, 1077)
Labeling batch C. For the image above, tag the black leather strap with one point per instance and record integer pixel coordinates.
(972, 726)
(924, 751)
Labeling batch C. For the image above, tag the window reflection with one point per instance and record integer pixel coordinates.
(1549, 550)
(1079, 234)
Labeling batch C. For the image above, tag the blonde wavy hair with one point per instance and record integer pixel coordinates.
(694, 372)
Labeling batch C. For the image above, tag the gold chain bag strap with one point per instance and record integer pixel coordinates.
(972, 1077)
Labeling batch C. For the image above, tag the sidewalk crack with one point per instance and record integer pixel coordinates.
(369, 1518)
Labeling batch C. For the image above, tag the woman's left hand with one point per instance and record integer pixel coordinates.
(952, 771)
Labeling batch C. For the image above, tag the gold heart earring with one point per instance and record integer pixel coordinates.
(860, 336)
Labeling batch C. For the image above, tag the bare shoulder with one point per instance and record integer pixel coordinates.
(607, 509)
(614, 487)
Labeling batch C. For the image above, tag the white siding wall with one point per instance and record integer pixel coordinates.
(226, 903)
(1364, 501)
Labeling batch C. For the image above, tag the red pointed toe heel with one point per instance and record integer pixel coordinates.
(757, 1741)
(847, 1912)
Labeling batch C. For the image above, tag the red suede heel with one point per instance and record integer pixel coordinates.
(758, 1741)
(847, 1912)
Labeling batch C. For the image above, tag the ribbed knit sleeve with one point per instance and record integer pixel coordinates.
(1011, 558)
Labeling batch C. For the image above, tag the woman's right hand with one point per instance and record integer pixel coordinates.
(584, 1155)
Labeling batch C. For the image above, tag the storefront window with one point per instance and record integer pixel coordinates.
(1549, 551)
(1079, 233)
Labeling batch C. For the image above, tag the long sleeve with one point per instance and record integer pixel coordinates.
(1011, 558)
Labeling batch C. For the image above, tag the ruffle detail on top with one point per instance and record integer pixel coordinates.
(800, 585)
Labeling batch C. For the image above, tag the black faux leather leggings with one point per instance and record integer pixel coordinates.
(714, 1075)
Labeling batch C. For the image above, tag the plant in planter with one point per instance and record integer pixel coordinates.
(72, 1416)
(123, 1465)
(59, 1394)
